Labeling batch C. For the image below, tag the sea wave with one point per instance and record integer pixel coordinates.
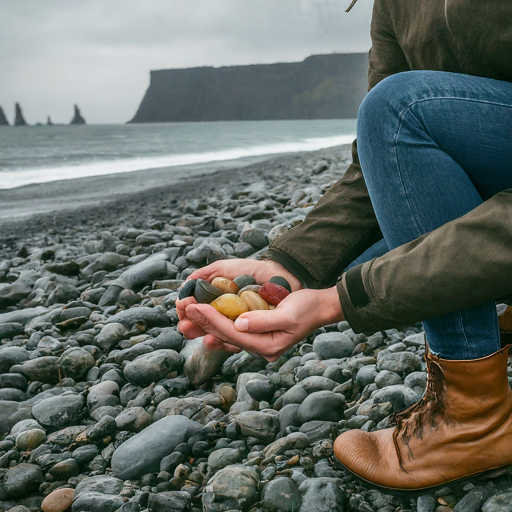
(20, 177)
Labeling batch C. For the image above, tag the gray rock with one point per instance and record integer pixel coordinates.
(400, 362)
(426, 503)
(152, 367)
(173, 501)
(65, 469)
(110, 335)
(321, 495)
(63, 294)
(366, 375)
(400, 397)
(143, 452)
(169, 338)
(13, 293)
(415, 340)
(75, 362)
(152, 317)
(316, 383)
(293, 441)
(96, 502)
(322, 405)
(22, 316)
(133, 419)
(258, 424)
(473, 501)
(44, 369)
(254, 236)
(11, 413)
(224, 457)
(386, 378)
(317, 430)
(207, 252)
(22, 480)
(333, 345)
(416, 380)
(24, 426)
(108, 261)
(12, 394)
(30, 439)
(281, 494)
(59, 411)
(202, 364)
(499, 503)
(236, 487)
(85, 453)
(9, 330)
(260, 390)
(375, 340)
(99, 484)
(288, 416)
(9, 356)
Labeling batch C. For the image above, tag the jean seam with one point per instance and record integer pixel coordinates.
(469, 350)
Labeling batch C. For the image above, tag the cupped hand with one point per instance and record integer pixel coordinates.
(261, 271)
(267, 333)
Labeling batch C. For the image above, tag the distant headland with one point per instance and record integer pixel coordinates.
(321, 87)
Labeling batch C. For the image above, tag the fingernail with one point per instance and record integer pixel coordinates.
(242, 324)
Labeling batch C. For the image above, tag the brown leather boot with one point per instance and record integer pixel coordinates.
(461, 428)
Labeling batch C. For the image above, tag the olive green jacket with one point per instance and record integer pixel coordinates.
(461, 264)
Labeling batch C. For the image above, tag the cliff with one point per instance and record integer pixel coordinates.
(19, 120)
(320, 87)
(3, 118)
(77, 118)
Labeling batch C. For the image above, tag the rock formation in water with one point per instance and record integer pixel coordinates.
(49, 122)
(77, 118)
(3, 118)
(321, 87)
(19, 120)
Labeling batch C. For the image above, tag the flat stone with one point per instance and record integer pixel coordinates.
(44, 369)
(133, 419)
(58, 501)
(96, 502)
(322, 405)
(10, 356)
(22, 479)
(100, 484)
(333, 345)
(143, 453)
(59, 411)
(293, 441)
(224, 457)
(172, 501)
(149, 368)
(281, 494)
(399, 362)
(152, 317)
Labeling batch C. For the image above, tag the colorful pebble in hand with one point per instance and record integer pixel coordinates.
(230, 305)
(273, 293)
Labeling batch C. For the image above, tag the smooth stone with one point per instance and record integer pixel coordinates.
(386, 378)
(110, 335)
(317, 383)
(230, 305)
(100, 484)
(243, 281)
(400, 362)
(65, 469)
(24, 425)
(293, 441)
(75, 362)
(59, 411)
(205, 292)
(12, 394)
(43, 369)
(85, 453)
(58, 501)
(281, 494)
(170, 501)
(400, 397)
(225, 285)
(223, 457)
(472, 502)
(188, 289)
(260, 390)
(273, 293)
(233, 487)
(321, 494)
(66, 436)
(11, 329)
(416, 380)
(254, 236)
(499, 503)
(281, 281)
(322, 405)
(96, 502)
(143, 453)
(254, 301)
(152, 367)
(133, 419)
(258, 424)
(30, 439)
(317, 430)
(168, 338)
(22, 479)
(22, 316)
(152, 317)
(333, 345)
(10, 356)
(202, 364)
(288, 416)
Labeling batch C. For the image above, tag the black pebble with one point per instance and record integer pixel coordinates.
(281, 281)
(187, 290)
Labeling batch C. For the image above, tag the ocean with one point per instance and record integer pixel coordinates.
(42, 154)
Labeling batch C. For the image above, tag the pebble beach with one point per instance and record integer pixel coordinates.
(105, 407)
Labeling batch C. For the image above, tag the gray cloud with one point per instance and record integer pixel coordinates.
(98, 53)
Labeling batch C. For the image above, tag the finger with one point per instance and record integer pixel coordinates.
(182, 304)
(212, 343)
(208, 272)
(190, 330)
(264, 321)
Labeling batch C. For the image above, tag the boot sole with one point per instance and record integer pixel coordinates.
(415, 493)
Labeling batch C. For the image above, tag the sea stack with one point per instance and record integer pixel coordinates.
(77, 118)
(3, 118)
(49, 122)
(19, 120)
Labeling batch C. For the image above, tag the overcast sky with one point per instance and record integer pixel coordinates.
(98, 53)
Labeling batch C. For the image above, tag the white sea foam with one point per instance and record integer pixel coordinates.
(12, 179)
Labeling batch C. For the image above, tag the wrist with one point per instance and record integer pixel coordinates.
(330, 306)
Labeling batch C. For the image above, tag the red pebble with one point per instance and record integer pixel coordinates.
(273, 293)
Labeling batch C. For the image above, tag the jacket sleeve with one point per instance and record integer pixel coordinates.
(343, 224)
(427, 277)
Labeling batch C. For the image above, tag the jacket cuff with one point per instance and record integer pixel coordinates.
(292, 265)
(357, 297)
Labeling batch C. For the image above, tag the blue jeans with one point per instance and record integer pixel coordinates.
(433, 146)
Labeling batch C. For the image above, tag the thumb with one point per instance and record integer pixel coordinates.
(262, 321)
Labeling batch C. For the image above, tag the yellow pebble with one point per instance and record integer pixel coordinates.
(225, 285)
(254, 301)
(230, 305)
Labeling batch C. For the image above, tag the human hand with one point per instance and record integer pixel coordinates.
(267, 333)
(262, 271)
